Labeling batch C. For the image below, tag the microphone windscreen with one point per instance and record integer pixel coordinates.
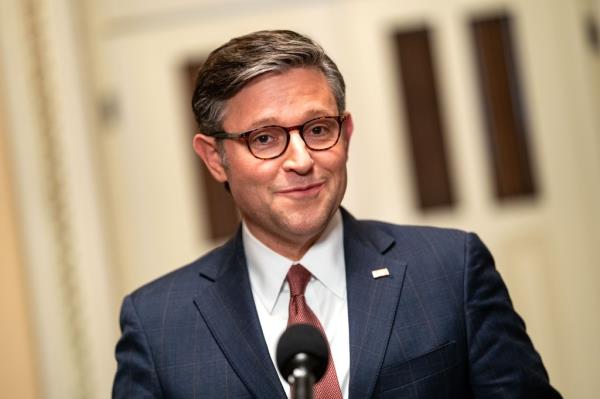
(306, 339)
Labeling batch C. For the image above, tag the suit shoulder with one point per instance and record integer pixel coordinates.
(418, 232)
(420, 243)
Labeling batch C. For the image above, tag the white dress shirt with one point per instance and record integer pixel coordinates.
(325, 293)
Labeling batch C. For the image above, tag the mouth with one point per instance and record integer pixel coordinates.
(302, 191)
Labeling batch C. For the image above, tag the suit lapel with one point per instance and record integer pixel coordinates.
(227, 306)
(372, 302)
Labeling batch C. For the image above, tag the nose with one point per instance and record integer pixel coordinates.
(297, 156)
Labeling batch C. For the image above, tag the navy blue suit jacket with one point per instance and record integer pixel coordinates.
(440, 326)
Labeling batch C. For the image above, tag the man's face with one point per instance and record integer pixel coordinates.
(286, 202)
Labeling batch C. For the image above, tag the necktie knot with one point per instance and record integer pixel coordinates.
(298, 278)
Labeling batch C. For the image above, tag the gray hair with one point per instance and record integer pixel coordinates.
(230, 67)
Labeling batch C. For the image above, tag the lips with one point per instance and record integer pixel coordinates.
(302, 190)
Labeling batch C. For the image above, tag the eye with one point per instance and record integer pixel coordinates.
(320, 128)
(262, 139)
(265, 137)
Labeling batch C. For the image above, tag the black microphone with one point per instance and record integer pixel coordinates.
(302, 355)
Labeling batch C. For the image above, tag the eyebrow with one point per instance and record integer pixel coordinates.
(308, 115)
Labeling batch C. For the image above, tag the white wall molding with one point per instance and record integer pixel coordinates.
(51, 137)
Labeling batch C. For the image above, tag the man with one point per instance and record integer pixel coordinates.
(408, 312)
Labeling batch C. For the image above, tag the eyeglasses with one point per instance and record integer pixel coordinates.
(270, 142)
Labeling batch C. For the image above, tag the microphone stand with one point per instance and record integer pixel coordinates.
(301, 380)
(302, 356)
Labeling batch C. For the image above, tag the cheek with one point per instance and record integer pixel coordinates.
(249, 175)
(336, 163)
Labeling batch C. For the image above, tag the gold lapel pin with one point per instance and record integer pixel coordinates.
(384, 272)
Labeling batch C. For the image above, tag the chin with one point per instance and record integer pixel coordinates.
(308, 222)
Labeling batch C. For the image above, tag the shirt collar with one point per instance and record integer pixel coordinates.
(325, 260)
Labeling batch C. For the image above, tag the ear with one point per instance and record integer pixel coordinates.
(347, 129)
(206, 148)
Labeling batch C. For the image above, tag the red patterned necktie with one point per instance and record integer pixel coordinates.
(298, 277)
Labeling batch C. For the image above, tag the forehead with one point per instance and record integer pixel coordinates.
(281, 98)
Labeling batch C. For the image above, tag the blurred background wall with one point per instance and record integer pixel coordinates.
(100, 191)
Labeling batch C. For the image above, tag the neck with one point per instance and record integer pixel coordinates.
(289, 245)
(292, 248)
